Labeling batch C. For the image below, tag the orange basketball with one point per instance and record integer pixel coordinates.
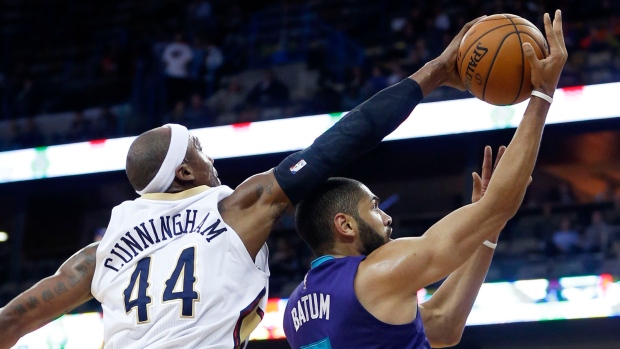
(491, 61)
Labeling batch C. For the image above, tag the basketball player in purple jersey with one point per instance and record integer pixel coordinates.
(361, 291)
(167, 164)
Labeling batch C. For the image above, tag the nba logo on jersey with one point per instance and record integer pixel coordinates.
(298, 166)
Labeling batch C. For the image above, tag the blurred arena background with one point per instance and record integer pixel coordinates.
(92, 71)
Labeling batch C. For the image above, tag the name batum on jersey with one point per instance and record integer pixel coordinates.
(310, 307)
(155, 231)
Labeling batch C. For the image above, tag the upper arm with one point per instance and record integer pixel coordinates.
(407, 265)
(252, 209)
(51, 297)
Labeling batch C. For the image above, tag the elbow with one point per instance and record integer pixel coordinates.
(443, 330)
(453, 338)
(9, 330)
(448, 338)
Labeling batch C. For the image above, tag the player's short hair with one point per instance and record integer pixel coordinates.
(145, 156)
(315, 213)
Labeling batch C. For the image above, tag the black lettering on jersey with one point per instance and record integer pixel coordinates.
(176, 225)
(144, 235)
(203, 222)
(121, 257)
(211, 231)
(131, 243)
(165, 228)
(188, 221)
(107, 264)
(152, 221)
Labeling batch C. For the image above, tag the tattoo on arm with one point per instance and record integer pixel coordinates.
(81, 269)
(90, 259)
(259, 190)
(73, 280)
(269, 187)
(60, 288)
(32, 302)
(19, 310)
(47, 295)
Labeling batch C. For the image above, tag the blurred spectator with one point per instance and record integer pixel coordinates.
(269, 92)
(177, 115)
(176, 57)
(284, 264)
(227, 101)
(196, 67)
(81, 128)
(99, 233)
(213, 61)
(566, 240)
(608, 194)
(199, 17)
(197, 115)
(32, 136)
(422, 49)
(109, 63)
(562, 194)
(597, 234)
(12, 141)
(351, 98)
(442, 20)
(27, 99)
(376, 82)
(108, 124)
(355, 79)
(396, 74)
(612, 215)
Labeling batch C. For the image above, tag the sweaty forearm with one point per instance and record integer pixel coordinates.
(356, 133)
(512, 175)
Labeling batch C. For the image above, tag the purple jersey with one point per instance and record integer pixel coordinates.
(324, 313)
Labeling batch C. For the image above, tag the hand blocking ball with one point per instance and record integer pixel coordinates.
(491, 61)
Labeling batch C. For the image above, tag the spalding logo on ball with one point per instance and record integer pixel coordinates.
(491, 61)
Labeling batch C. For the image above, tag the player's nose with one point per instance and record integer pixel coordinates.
(387, 220)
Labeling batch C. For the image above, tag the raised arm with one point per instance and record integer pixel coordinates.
(257, 202)
(49, 298)
(445, 314)
(404, 266)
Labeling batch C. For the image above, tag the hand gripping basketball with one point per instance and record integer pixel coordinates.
(546, 72)
(449, 58)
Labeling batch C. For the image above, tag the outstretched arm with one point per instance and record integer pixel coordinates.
(49, 298)
(257, 202)
(445, 314)
(404, 266)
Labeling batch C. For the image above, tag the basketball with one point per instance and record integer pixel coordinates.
(491, 61)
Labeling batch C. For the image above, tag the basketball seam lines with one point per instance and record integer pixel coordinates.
(499, 47)
(484, 34)
(522, 61)
(543, 50)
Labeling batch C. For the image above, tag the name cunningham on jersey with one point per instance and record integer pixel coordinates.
(154, 231)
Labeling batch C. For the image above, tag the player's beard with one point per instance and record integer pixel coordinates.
(371, 239)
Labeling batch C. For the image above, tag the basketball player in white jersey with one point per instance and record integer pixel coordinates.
(185, 264)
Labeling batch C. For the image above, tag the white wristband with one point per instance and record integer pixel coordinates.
(542, 96)
(489, 244)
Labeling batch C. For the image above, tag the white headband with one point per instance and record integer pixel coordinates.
(179, 139)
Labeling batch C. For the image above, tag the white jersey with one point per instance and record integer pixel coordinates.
(171, 274)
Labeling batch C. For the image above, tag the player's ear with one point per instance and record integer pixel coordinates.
(345, 225)
(184, 173)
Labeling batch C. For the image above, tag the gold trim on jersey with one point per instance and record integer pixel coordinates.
(176, 196)
(249, 324)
